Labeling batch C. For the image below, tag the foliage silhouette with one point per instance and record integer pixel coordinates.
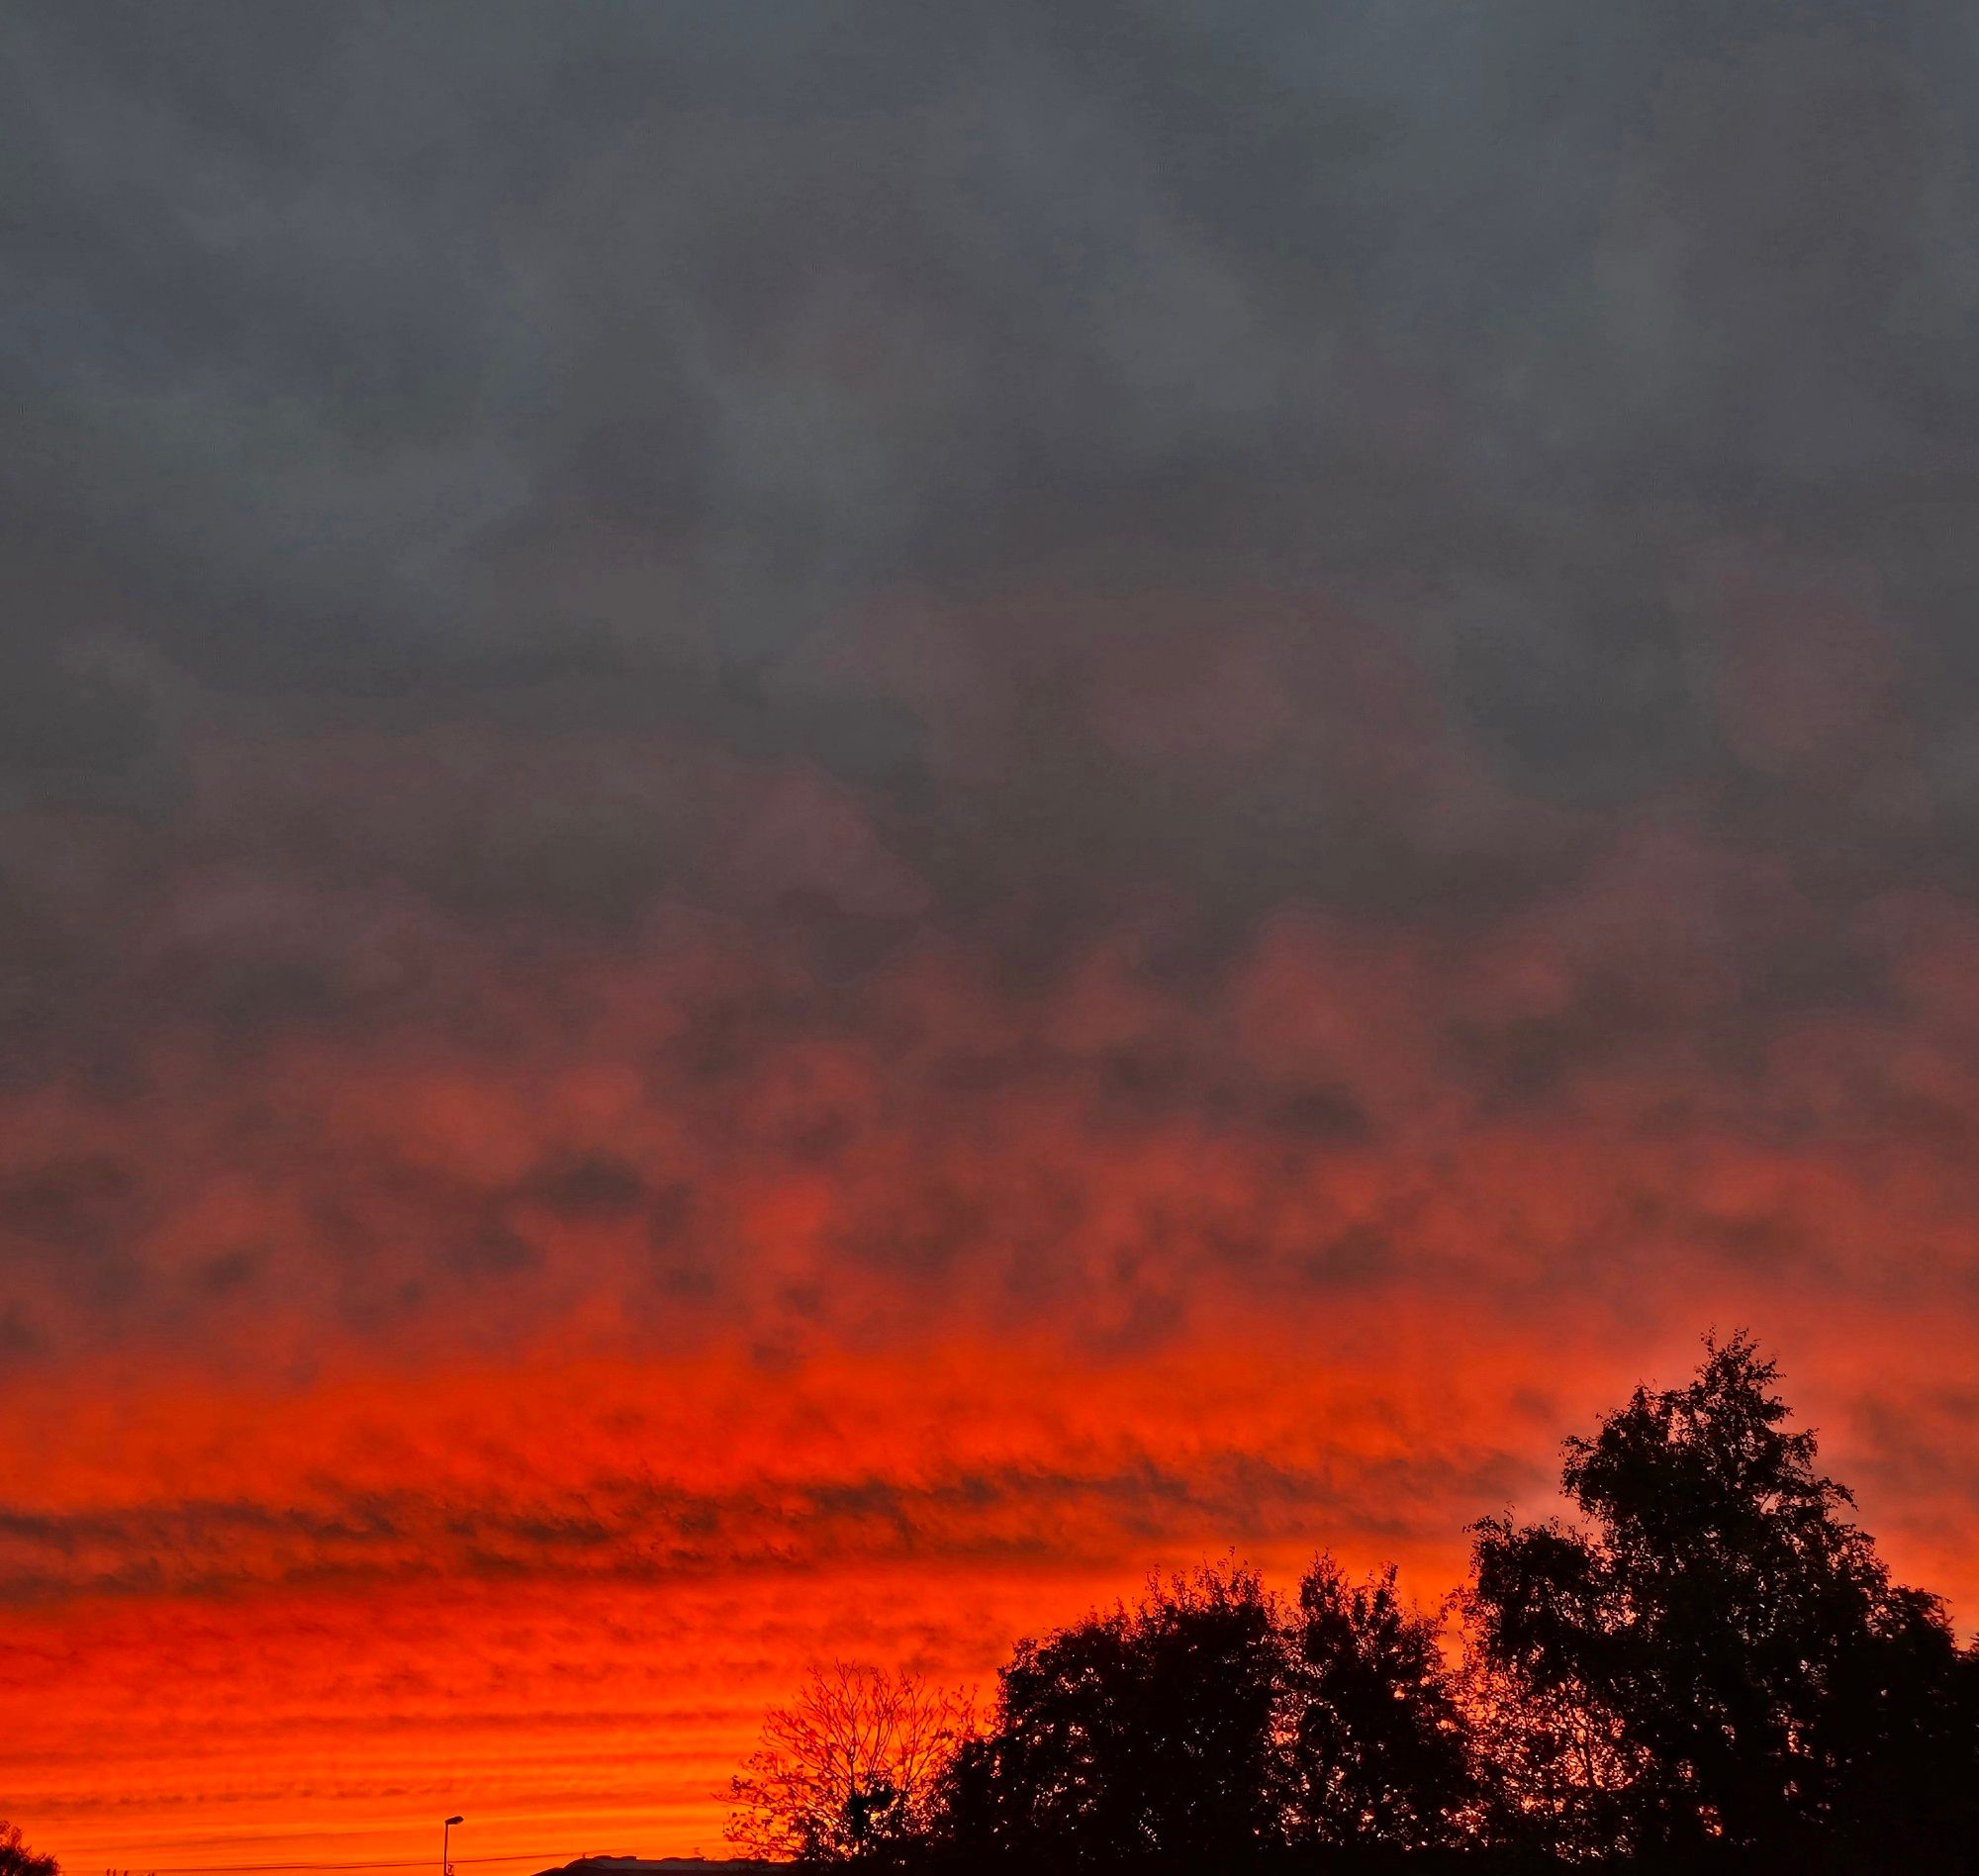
(1212, 1720)
(848, 1768)
(1709, 1669)
(1719, 1656)
(1146, 1729)
(1376, 1748)
(16, 1859)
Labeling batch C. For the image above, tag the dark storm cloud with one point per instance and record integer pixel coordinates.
(386, 352)
(1011, 474)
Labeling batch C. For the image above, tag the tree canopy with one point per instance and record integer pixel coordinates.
(1376, 1750)
(1147, 1729)
(1708, 1659)
(1716, 1653)
(16, 1859)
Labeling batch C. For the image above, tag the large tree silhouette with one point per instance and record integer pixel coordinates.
(1376, 1749)
(1719, 1654)
(1712, 1657)
(1150, 1728)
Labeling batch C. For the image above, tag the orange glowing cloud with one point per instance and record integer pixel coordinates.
(513, 1415)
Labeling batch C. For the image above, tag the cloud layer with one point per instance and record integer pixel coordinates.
(814, 829)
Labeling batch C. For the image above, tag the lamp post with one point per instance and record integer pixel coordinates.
(446, 1836)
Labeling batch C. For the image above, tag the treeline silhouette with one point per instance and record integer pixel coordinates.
(1709, 1668)
(17, 1859)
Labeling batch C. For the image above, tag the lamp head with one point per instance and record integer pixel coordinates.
(456, 1821)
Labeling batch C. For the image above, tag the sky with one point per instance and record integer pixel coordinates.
(818, 823)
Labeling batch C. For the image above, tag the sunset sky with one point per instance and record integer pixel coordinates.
(820, 821)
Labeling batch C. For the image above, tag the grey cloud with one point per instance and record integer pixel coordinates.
(522, 381)
(342, 305)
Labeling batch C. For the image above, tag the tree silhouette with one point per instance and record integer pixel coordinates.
(1376, 1743)
(16, 1859)
(850, 1767)
(1558, 1767)
(1719, 1656)
(1150, 1728)
(1710, 1661)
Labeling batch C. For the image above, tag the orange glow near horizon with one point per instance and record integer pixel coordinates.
(514, 1411)
(513, 1418)
(558, 1597)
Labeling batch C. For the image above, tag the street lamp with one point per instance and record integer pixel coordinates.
(446, 1833)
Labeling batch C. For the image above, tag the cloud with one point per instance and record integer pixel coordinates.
(942, 804)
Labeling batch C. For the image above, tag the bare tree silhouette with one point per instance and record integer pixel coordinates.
(849, 1767)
